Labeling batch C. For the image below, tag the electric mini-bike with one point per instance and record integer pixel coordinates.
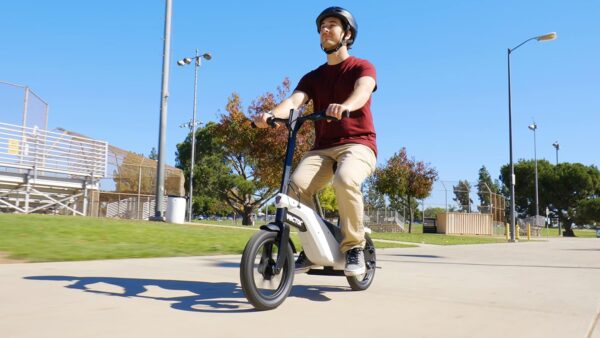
(267, 266)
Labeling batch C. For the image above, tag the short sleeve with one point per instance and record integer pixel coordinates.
(305, 85)
(367, 69)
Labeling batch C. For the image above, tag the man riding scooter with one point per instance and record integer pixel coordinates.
(343, 83)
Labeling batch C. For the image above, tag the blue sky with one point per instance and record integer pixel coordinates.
(442, 73)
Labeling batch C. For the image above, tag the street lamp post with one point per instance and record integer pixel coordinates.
(557, 147)
(164, 95)
(545, 37)
(533, 127)
(192, 124)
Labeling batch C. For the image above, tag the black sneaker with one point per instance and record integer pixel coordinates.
(355, 262)
(303, 264)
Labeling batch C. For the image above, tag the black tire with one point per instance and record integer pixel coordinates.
(258, 259)
(362, 282)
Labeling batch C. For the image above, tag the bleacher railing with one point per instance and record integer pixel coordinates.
(51, 153)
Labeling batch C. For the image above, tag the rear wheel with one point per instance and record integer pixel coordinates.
(362, 282)
(264, 288)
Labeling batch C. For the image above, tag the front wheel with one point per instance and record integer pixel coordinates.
(362, 282)
(264, 288)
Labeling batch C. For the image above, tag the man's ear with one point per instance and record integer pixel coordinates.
(348, 35)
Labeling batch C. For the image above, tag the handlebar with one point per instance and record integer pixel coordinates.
(318, 116)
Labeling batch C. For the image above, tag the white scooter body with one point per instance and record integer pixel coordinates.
(318, 243)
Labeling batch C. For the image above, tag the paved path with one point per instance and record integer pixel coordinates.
(541, 289)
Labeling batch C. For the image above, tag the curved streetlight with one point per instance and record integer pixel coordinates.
(545, 37)
(192, 124)
(533, 127)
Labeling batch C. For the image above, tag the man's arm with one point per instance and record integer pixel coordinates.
(363, 88)
(282, 110)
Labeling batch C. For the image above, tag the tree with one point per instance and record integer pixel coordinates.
(373, 199)
(210, 170)
(588, 212)
(562, 188)
(525, 185)
(462, 193)
(405, 180)
(255, 156)
(153, 154)
(328, 201)
(485, 189)
(433, 212)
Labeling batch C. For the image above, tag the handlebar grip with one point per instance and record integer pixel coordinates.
(271, 122)
(346, 114)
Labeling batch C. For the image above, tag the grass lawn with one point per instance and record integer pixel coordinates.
(553, 232)
(439, 239)
(417, 236)
(43, 238)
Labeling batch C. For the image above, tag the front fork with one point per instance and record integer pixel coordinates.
(283, 238)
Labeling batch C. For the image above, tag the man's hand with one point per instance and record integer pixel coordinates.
(336, 110)
(260, 120)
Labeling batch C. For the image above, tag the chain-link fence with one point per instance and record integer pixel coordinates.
(129, 189)
(384, 220)
(462, 196)
(21, 106)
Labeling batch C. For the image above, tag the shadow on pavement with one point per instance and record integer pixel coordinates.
(199, 296)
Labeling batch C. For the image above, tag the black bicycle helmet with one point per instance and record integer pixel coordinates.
(348, 22)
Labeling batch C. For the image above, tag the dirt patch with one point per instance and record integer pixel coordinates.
(5, 260)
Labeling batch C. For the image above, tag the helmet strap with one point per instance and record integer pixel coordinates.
(340, 45)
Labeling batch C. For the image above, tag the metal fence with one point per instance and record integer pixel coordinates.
(443, 197)
(128, 206)
(384, 220)
(51, 153)
(22, 106)
(128, 190)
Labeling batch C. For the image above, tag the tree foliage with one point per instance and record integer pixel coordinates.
(485, 189)
(373, 199)
(255, 156)
(588, 212)
(210, 170)
(563, 188)
(404, 180)
(462, 195)
(328, 201)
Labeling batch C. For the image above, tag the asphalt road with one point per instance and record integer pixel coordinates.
(536, 289)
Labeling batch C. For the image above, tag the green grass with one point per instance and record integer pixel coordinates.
(43, 238)
(553, 232)
(417, 236)
(439, 239)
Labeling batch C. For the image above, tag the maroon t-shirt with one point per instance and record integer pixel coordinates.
(334, 84)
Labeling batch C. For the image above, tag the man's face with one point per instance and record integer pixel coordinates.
(331, 31)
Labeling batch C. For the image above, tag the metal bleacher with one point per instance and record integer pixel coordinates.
(48, 172)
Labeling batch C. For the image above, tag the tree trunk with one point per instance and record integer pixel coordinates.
(247, 218)
(568, 232)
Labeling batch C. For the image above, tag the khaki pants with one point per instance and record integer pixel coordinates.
(355, 162)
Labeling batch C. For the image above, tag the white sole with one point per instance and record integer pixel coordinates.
(355, 273)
